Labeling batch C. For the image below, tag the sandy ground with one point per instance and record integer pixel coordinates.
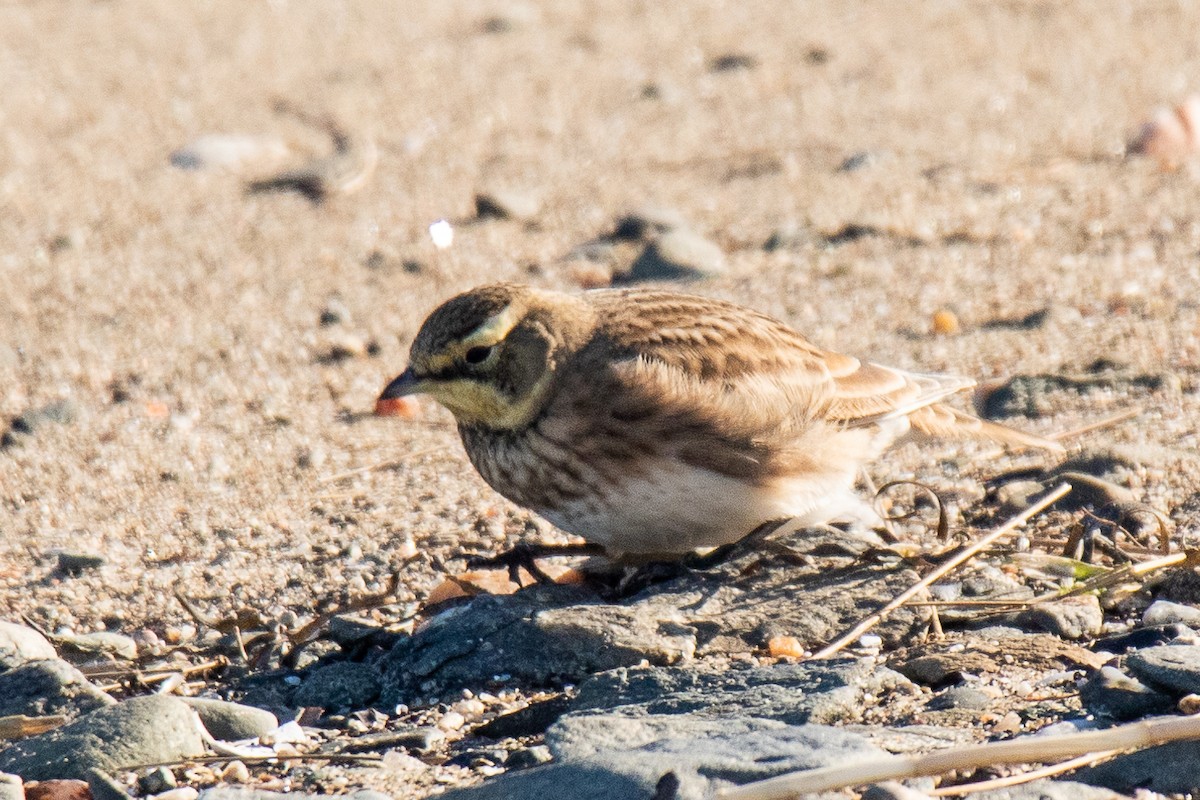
(180, 317)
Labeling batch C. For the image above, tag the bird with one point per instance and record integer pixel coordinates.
(656, 424)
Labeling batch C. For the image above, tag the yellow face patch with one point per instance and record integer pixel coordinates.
(475, 399)
(481, 403)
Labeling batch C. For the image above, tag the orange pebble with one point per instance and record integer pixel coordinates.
(402, 407)
(945, 322)
(156, 409)
(785, 647)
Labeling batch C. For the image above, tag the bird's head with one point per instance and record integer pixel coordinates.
(489, 355)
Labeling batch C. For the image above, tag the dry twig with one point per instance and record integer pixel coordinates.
(1011, 524)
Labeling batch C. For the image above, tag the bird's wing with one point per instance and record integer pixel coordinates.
(751, 358)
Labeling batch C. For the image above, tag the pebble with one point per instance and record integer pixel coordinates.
(1071, 617)
(945, 323)
(507, 204)
(116, 645)
(19, 644)
(150, 729)
(960, 697)
(1164, 612)
(732, 62)
(49, 687)
(231, 722)
(1173, 667)
(236, 772)
(860, 160)
(104, 787)
(529, 757)
(157, 780)
(892, 790)
(341, 685)
(678, 255)
(229, 151)
(1113, 694)
(58, 789)
(178, 793)
(11, 787)
(451, 721)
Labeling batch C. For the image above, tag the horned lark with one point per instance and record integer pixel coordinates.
(653, 423)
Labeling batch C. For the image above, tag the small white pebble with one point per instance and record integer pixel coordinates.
(442, 234)
(182, 793)
(451, 721)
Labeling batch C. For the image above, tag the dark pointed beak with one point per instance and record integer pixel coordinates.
(407, 383)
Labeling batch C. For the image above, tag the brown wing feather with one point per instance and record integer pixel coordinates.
(723, 367)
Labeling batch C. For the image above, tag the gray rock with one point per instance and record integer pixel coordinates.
(1168, 769)
(231, 722)
(960, 697)
(1113, 694)
(678, 255)
(342, 685)
(51, 686)
(1071, 618)
(821, 692)
(1050, 790)
(507, 204)
(544, 634)
(159, 779)
(11, 787)
(99, 643)
(1164, 612)
(19, 644)
(534, 635)
(692, 756)
(528, 757)
(1174, 667)
(143, 730)
(227, 792)
(104, 787)
(891, 790)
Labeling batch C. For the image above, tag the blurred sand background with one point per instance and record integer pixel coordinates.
(180, 318)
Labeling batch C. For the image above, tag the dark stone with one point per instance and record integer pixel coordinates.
(542, 635)
(342, 685)
(1173, 667)
(143, 730)
(531, 720)
(1167, 769)
(1113, 694)
(232, 722)
(51, 686)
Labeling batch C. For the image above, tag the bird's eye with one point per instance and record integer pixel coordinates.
(478, 355)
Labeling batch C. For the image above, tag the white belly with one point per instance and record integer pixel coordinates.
(675, 509)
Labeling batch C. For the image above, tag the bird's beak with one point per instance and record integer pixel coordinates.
(407, 383)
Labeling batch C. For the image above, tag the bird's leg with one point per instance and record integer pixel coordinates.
(525, 555)
(723, 553)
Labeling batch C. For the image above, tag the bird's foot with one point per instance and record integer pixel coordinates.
(524, 556)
